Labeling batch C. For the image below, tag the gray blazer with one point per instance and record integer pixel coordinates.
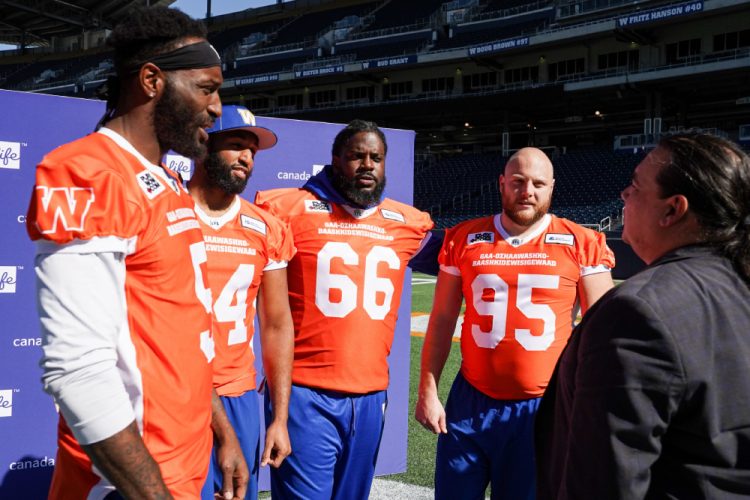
(651, 396)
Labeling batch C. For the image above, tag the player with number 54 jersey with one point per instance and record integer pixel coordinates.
(248, 250)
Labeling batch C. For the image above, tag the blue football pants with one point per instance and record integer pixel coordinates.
(244, 415)
(335, 439)
(488, 441)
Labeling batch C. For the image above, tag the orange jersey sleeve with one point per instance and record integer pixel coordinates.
(345, 285)
(241, 245)
(77, 196)
(519, 294)
(100, 189)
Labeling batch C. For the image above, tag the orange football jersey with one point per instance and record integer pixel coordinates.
(519, 295)
(241, 245)
(99, 188)
(345, 285)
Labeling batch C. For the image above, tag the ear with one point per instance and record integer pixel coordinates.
(501, 181)
(335, 161)
(676, 209)
(151, 80)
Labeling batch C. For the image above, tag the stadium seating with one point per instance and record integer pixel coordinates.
(308, 26)
(396, 13)
(393, 45)
(487, 31)
(588, 183)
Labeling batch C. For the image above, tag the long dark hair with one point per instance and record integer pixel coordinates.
(714, 175)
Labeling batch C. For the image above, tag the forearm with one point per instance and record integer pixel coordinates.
(278, 354)
(277, 339)
(437, 343)
(127, 464)
(437, 347)
(220, 424)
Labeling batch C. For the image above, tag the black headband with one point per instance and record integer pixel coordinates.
(193, 56)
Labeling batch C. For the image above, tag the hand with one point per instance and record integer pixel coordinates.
(430, 414)
(234, 471)
(277, 446)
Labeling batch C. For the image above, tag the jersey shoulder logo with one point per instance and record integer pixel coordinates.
(483, 237)
(390, 214)
(318, 206)
(67, 205)
(149, 184)
(559, 239)
(252, 223)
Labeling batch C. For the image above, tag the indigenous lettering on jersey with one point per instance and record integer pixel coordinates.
(241, 245)
(519, 294)
(99, 188)
(345, 285)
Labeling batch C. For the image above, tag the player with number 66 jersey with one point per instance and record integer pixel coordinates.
(345, 285)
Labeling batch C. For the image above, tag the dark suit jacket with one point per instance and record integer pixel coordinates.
(651, 397)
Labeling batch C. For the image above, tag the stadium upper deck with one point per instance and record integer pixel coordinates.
(470, 76)
(557, 73)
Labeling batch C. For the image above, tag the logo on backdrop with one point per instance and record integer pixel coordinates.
(35, 463)
(10, 155)
(299, 176)
(8, 279)
(6, 402)
(179, 164)
(69, 205)
(27, 342)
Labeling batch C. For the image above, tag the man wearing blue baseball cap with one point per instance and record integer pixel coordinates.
(247, 253)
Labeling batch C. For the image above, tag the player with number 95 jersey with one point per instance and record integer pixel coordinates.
(520, 273)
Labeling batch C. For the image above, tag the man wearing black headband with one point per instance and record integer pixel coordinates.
(121, 266)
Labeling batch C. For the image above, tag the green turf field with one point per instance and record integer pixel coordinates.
(420, 460)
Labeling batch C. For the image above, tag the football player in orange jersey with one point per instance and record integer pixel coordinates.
(123, 297)
(248, 250)
(353, 246)
(520, 272)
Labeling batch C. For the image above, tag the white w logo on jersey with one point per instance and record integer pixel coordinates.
(69, 205)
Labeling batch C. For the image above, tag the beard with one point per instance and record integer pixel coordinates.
(175, 125)
(219, 174)
(349, 190)
(522, 217)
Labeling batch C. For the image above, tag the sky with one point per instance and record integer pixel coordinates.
(197, 8)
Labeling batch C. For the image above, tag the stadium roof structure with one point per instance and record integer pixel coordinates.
(33, 23)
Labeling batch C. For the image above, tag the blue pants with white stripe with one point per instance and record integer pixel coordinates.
(488, 440)
(244, 415)
(335, 439)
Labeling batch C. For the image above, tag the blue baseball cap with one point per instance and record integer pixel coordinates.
(239, 117)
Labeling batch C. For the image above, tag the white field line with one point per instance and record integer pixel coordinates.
(419, 325)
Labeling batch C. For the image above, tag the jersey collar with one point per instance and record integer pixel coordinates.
(517, 241)
(157, 170)
(359, 213)
(217, 223)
